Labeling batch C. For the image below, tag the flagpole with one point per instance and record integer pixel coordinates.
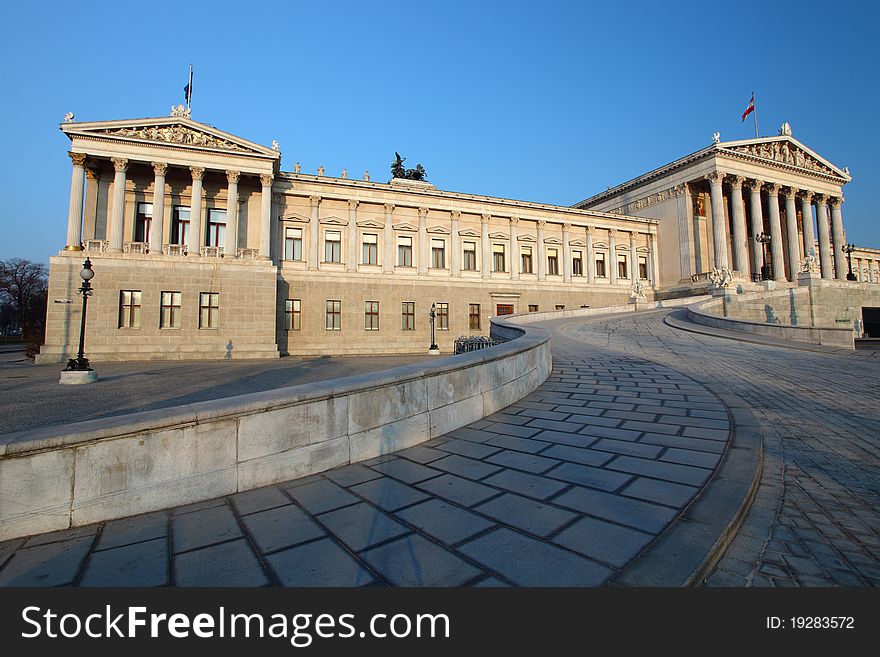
(189, 95)
(754, 110)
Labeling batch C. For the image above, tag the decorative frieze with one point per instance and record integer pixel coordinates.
(175, 134)
(784, 153)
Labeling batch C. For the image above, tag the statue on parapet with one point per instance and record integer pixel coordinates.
(720, 277)
(638, 292)
(398, 170)
(809, 264)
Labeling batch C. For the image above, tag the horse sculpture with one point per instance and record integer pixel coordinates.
(398, 170)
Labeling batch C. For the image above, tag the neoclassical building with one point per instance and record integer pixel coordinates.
(203, 247)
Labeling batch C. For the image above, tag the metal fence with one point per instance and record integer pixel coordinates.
(473, 342)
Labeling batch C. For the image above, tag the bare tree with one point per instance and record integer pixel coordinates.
(24, 284)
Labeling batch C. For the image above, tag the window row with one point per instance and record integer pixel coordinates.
(215, 230)
(293, 250)
(170, 309)
(333, 315)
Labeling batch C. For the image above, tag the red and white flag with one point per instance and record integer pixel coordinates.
(750, 108)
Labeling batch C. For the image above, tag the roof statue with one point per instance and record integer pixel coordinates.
(398, 170)
(716, 137)
(68, 118)
(785, 130)
(275, 146)
(181, 111)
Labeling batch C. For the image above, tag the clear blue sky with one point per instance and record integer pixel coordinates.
(542, 101)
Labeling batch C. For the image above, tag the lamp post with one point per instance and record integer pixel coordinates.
(764, 240)
(78, 369)
(433, 349)
(848, 249)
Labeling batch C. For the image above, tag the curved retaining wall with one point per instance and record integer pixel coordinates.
(82, 473)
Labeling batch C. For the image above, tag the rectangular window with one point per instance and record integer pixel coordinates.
(334, 315)
(504, 309)
(497, 257)
(209, 310)
(533, 308)
(577, 264)
(370, 249)
(404, 251)
(600, 265)
(442, 316)
(371, 315)
(332, 246)
(292, 314)
(643, 267)
(169, 318)
(470, 256)
(130, 309)
(474, 316)
(553, 262)
(143, 220)
(621, 266)
(438, 254)
(293, 243)
(526, 257)
(216, 228)
(180, 225)
(560, 306)
(408, 316)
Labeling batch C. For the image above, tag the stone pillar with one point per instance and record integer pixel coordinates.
(454, 245)
(739, 238)
(757, 224)
(794, 254)
(423, 241)
(485, 247)
(719, 223)
(514, 250)
(776, 251)
(653, 268)
(351, 252)
(157, 225)
(566, 254)
(612, 256)
(195, 211)
(824, 238)
(542, 263)
(807, 223)
(633, 258)
(117, 219)
(75, 210)
(685, 210)
(314, 231)
(591, 256)
(266, 215)
(90, 209)
(388, 264)
(232, 215)
(837, 238)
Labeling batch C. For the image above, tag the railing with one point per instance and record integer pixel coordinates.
(175, 249)
(136, 247)
(468, 343)
(247, 254)
(97, 246)
(212, 251)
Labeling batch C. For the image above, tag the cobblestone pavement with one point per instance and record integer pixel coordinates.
(31, 397)
(816, 517)
(563, 488)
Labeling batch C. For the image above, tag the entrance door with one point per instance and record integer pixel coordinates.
(871, 322)
(504, 309)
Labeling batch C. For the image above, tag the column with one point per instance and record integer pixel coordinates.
(74, 213)
(824, 238)
(719, 223)
(654, 268)
(266, 215)
(454, 246)
(566, 254)
(837, 237)
(485, 267)
(423, 241)
(633, 259)
(195, 211)
(612, 257)
(120, 166)
(739, 238)
(591, 256)
(776, 252)
(542, 263)
(685, 210)
(807, 223)
(157, 225)
(388, 238)
(90, 209)
(231, 245)
(314, 231)
(514, 250)
(351, 251)
(757, 224)
(794, 253)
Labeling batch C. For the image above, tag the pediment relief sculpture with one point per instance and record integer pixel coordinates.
(176, 134)
(785, 153)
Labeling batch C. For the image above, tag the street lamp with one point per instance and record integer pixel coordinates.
(433, 349)
(764, 240)
(848, 249)
(78, 369)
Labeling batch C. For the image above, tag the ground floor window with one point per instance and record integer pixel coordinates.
(533, 308)
(503, 309)
(474, 316)
(292, 314)
(371, 315)
(169, 317)
(209, 310)
(442, 316)
(408, 316)
(130, 309)
(560, 306)
(334, 315)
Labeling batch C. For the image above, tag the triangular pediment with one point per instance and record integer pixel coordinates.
(334, 221)
(439, 230)
(174, 131)
(600, 245)
(468, 232)
(370, 223)
(409, 228)
(577, 243)
(784, 150)
(498, 235)
(552, 240)
(526, 238)
(293, 216)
